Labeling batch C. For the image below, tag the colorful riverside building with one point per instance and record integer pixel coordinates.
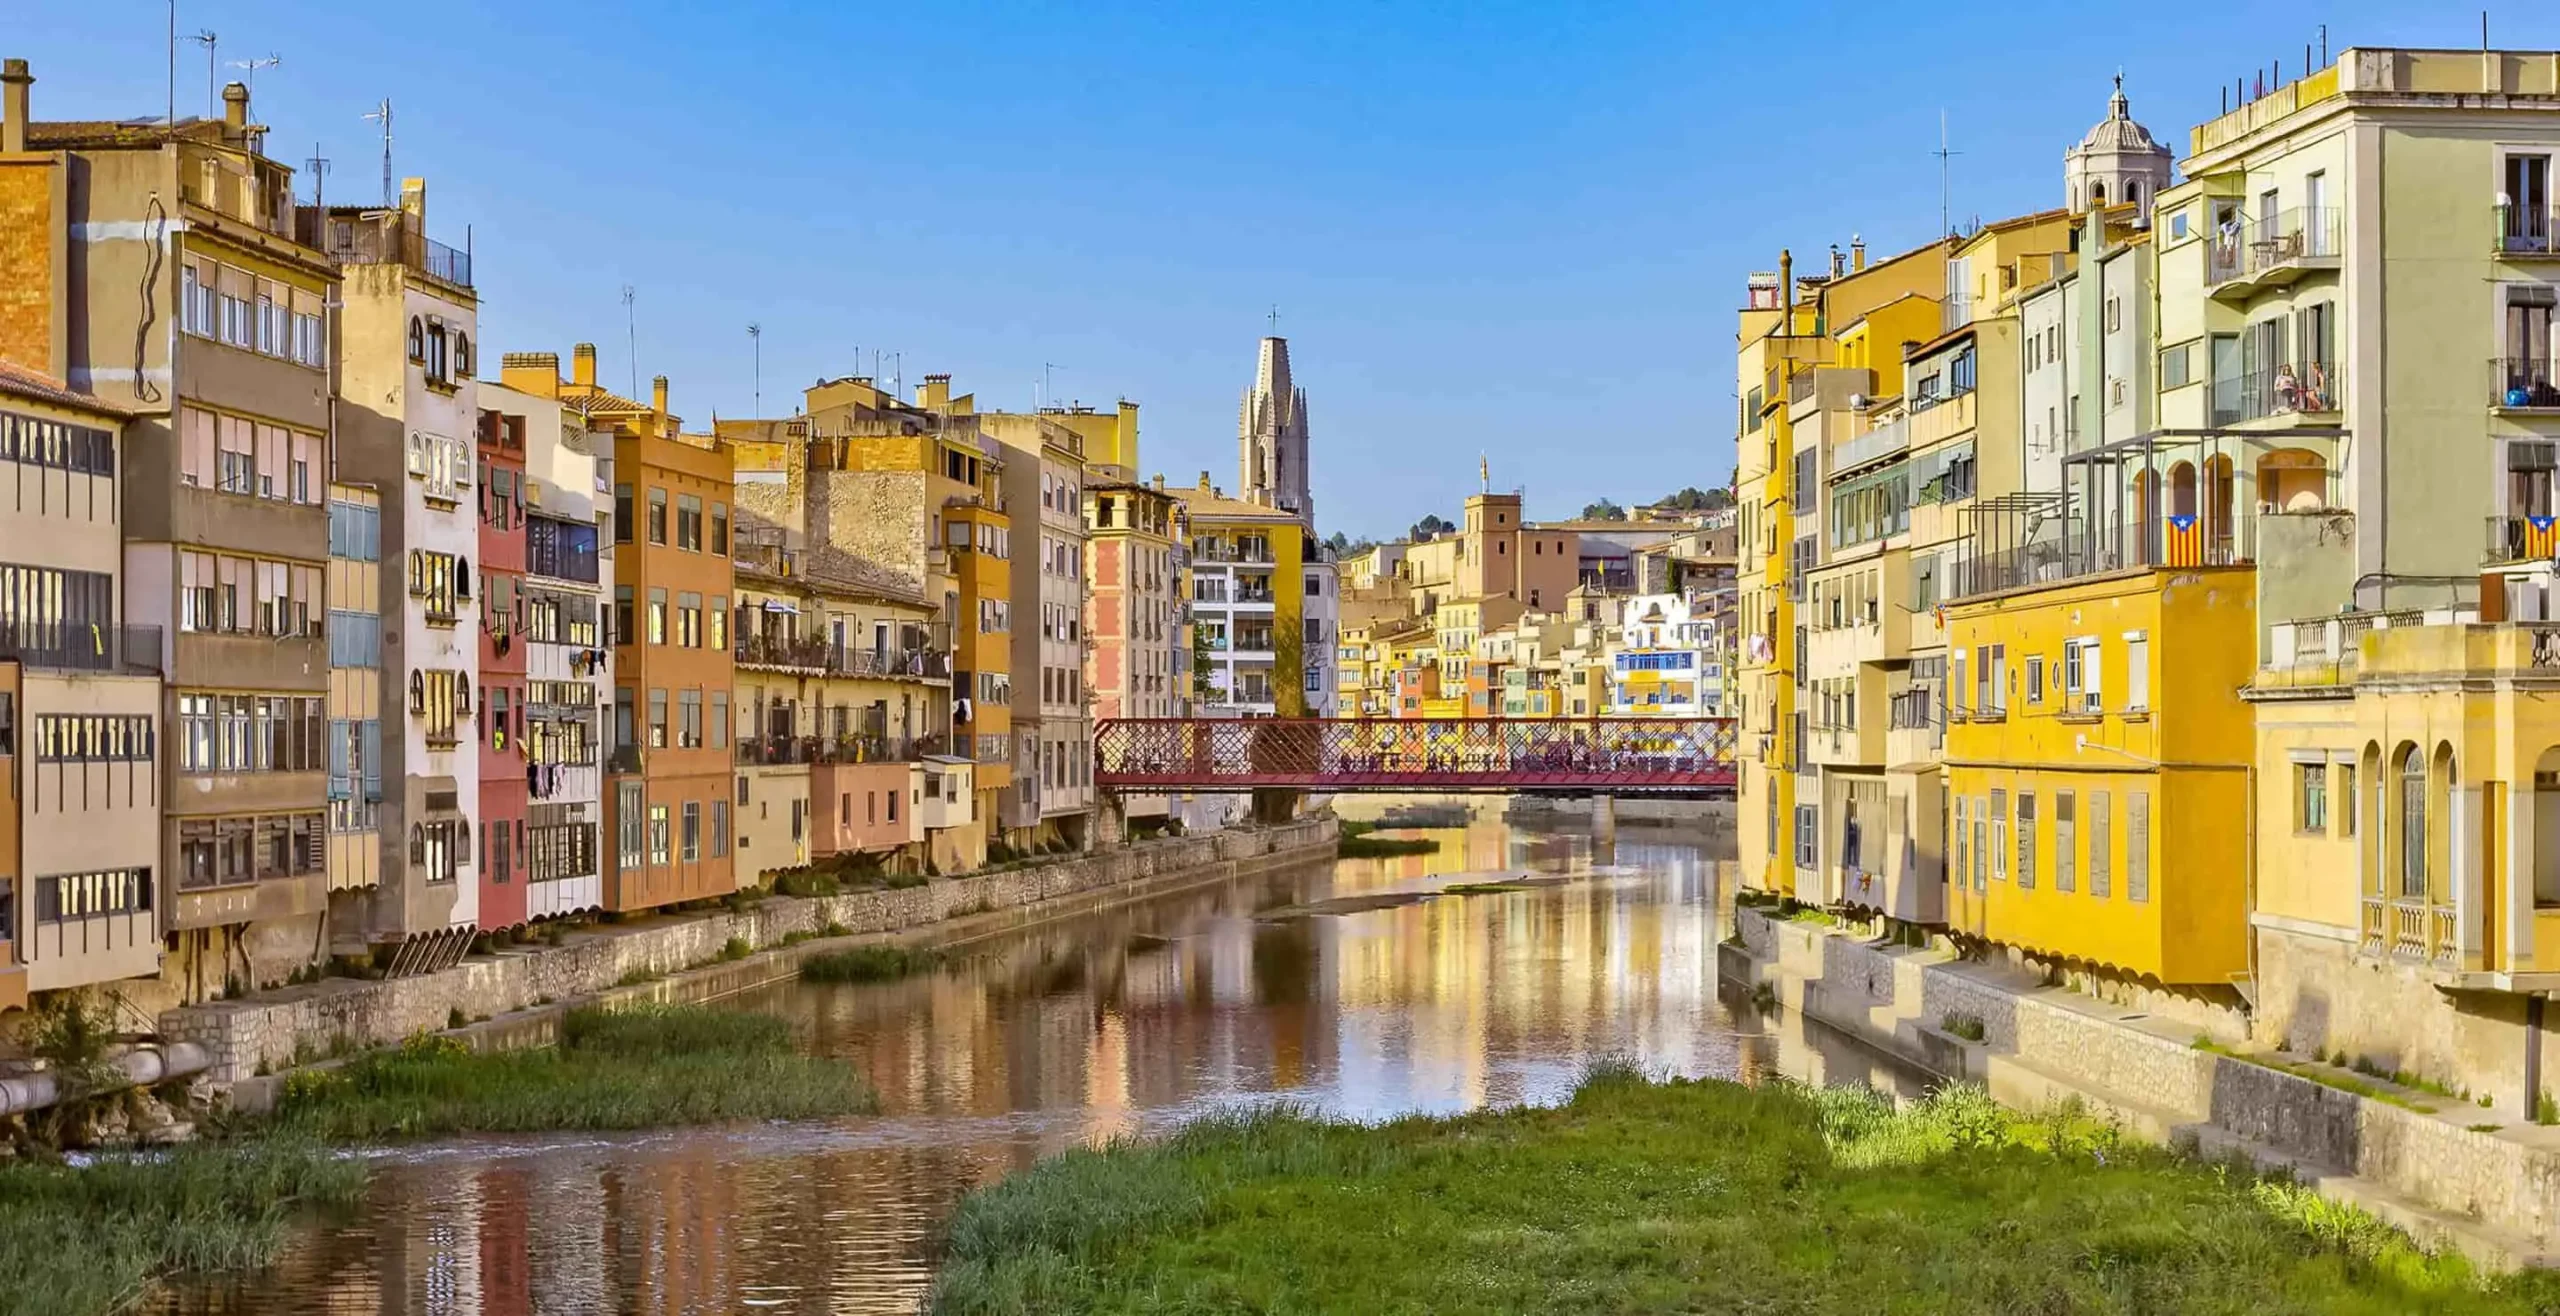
(81, 747)
(169, 281)
(505, 788)
(558, 743)
(1247, 606)
(1788, 332)
(667, 810)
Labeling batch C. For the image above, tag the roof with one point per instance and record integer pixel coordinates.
(17, 381)
(1210, 506)
(591, 399)
(101, 134)
(2118, 131)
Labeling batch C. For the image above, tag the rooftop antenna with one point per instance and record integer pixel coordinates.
(318, 167)
(1048, 389)
(381, 114)
(173, 63)
(212, 93)
(631, 336)
(755, 334)
(250, 67)
(1945, 186)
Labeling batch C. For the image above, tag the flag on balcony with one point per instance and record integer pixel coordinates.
(2183, 545)
(2539, 541)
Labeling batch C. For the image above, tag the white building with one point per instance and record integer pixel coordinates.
(568, 658)
(1664, 660)
(1320, 617)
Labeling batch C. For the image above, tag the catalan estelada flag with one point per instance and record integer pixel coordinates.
(2539, 539)
(2183, 544)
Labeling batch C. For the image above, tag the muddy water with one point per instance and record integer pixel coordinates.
(1386, 1000)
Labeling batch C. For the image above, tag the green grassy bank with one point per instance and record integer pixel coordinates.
(614, 1069)
(1358, 841)
(1683, 1197)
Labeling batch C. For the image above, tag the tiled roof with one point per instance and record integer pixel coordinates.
(19, 382)
(93, 134)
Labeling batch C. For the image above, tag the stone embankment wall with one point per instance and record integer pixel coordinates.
(276, 1029)
(2493, 1193)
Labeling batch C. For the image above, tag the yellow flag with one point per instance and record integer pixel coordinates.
(1484, 469)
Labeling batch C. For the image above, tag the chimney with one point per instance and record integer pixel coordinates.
(1787, 292)
(582, 365)
(1204, 482)
(1857, 253)
(1839, 263)
(413, 203)
(235, 106)
(935, 393)
(658, 394)
(1159, 482)
(14, 81)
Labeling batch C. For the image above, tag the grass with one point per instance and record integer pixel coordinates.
(1683, 1196)
(1960, 1024)
(1485, 888)
(2322, 1075)
(89, 1239)
(868, 964)
(614, 1069)
(1362, 844)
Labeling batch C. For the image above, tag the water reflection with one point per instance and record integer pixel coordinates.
(1116, 1024)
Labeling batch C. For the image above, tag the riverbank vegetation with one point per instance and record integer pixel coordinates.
(88, 1239)
(614, 1069)
(1684, 1196)
(868, 964)
(1359, 840)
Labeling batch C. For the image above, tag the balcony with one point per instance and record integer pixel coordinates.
(625, 760)
(2414, 930)
(776, 651)
(83, 647)
(2313, 389)
(2081, 550)
(775, 750)
(1885, 440)
(2253, 254)
(1609, 582)
(2521, 539)
(2525, 384)
(380, 237)
(2528, 232)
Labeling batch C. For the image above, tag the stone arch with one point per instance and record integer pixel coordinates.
(2292, 480)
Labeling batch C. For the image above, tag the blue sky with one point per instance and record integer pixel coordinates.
(1516, 230)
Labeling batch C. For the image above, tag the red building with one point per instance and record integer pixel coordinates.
(504, 798)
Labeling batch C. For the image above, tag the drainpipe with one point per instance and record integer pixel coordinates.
(2533, 1006)
(141, 1065)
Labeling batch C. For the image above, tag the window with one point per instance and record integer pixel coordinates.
(2413, 824)
(719, 829)
(692, 852)
(2035, 678)
(689, 522)
(2177, 366)
(2311, 798)
(2065, 836)
(1961, 852)
(2026, 840)
(87, 737)
(2101, 853)
(71, 897)
(657, 516)
(657, 615)
(1805, 847)
(622, 620)
(661, 840)
(720, 721)
(248, 733)
(689, 719)
(689, 620)
(2137, 673)
(720, 528)
(2080, 676)
(1991, 680)
(1981, 844)
(622, 514)
(2347, 802)
(2137, 846)
(1999, 836)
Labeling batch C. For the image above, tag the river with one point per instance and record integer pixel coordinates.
(1124, 1022)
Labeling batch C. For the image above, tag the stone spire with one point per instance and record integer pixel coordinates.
(1271, 436)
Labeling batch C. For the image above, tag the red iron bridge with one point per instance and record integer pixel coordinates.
(1603, 755)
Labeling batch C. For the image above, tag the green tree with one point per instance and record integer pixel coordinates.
(1603, 510)
(1430, 527)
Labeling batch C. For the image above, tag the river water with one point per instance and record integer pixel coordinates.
(1125, 1022)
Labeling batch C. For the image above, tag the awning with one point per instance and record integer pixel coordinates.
(777, 605)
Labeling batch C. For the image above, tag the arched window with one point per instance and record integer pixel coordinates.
(462, 355)
(462, 697)
(417, 843)
(417, 339)
(2412, 818)
(2098, 196)
(417, 691)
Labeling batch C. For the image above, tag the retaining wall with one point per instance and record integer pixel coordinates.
(2043, 1040)
(276, 1029)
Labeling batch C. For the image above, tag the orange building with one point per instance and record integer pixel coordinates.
(668, 786)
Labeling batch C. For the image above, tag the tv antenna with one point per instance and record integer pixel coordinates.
(318, 167)
(631, 336)
(1945, 186)
(381, 114)
(755, 335)
(212, 94)
(249, 67)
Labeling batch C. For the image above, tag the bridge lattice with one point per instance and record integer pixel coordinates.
(1616, 755)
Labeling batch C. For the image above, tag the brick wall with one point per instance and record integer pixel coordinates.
(27, 238)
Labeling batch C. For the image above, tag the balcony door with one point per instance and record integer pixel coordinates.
(2527, 346)
(2528, 190)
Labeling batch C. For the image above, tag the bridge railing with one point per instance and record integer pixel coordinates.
(1379, 754)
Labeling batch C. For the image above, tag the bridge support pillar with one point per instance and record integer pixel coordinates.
(1604, 819)
(1276, 804)
(1110, 820)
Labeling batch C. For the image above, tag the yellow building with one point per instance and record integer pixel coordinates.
(2095, 728)
(1248, 606)
(2408, 807)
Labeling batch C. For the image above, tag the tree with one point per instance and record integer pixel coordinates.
(1430, 527)
(1604, 510)
(1695, 499)
(1343, 546)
